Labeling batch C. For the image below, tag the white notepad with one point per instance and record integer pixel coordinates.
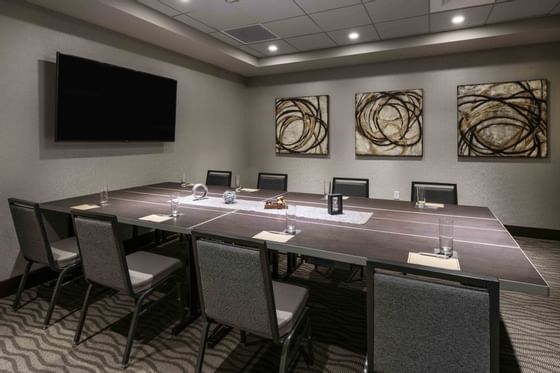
(432, 205)
(249, 190)
(276, 237)
(156, 218)
(431, 261)
(84, 207)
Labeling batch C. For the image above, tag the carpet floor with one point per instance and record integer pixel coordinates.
(530, 335)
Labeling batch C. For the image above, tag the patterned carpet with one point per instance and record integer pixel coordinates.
(530, 340)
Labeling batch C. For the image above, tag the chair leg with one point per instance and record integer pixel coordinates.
(54, 296)
(311, 357)
(21, 287)
(202, 347)
(132, 329)
(181, 299)
(83, 314)
(284, 357)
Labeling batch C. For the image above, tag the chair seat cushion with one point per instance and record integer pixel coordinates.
(147, 269)
(290, 302)
(65, 252)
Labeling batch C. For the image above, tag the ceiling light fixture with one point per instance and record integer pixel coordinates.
(272, 48)
(457, 20)
(353, 35)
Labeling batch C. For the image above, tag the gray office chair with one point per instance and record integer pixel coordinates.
(234, 282)
(435, 192)
(351, 187)
(60, 256)
(222, 178)
(272, 181)
(105, 264)
(431, 320)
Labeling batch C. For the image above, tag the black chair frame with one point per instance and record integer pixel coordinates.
(414, 183)
(491, 284)
(335, 179)
(139, 298)
(228, 173)
(284, 187)
(286, 361)
(62, 272)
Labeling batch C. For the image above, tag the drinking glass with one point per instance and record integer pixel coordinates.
(174, 204)
(104, 195)
(446, 236)
(420, 197)
(237, 183)
(291, 219)
(184, 181)
(326, 188)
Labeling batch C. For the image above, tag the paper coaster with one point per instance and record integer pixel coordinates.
(84, 207)
(431, 261)
(273, 236)
(156, 218)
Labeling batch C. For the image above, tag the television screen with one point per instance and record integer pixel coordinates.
(101, 102)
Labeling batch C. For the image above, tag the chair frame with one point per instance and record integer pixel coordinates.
(414, 183)
(62, 271)
(285, 186)
(229, 173)
(491, 284)
(139, 297)
(335, 179)
(286, 340)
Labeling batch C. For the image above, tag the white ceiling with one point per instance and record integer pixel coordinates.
(314, 33)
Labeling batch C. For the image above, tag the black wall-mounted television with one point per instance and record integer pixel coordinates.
(97, 101)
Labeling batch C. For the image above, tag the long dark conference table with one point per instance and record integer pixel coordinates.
(396, 228)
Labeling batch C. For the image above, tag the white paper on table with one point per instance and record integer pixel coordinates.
(276, 237)
(432, 205)
(84, 207)
(156, 218)
(432, 261)
(249, 190)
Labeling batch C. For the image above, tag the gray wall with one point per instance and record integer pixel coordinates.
(211, 118)
(520, 192)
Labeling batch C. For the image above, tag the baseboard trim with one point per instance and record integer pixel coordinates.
(39, 276)
(542, 233)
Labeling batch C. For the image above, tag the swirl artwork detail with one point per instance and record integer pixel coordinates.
(302, 125)
(503, 119)
(389, 123)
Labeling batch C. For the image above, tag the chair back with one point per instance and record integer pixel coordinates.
(222, 178)
(103, 258)
(234, 284)
(30, 231)
(435, 192)
(432, 320)
(272, 181)
(351, 187)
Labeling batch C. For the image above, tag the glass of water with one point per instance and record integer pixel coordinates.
(174, 205)
(104, 195)
(446, 236)
(420, 197)
(291, 219)
(326, 188)
(184, 181)
(237, 183)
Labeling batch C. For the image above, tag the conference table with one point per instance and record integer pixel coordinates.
(392, 230)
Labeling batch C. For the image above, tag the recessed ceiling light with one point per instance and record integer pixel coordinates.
(184, 1)
(458, 20)
(272, 48)
(353, 35)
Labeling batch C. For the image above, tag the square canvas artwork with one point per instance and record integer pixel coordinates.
(503, 119)
(389, 123)
(302, 125)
